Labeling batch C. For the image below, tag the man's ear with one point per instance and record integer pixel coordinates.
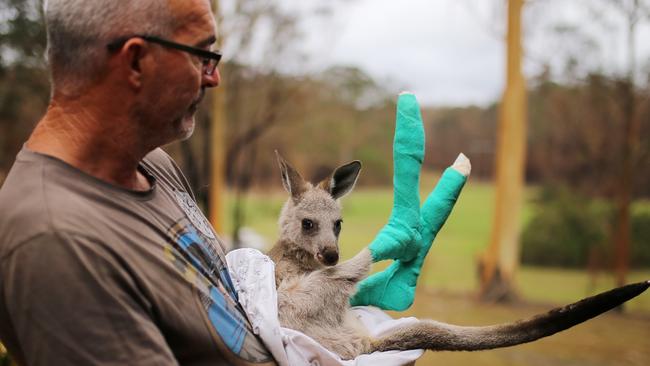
(342, 180)
(132, 56)
(291, 180)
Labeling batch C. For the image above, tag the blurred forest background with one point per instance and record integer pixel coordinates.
(588, 153)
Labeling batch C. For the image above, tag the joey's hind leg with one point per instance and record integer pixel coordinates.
(394, 241)
(394, 288)
(345, 341)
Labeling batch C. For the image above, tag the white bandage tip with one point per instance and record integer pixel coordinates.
(406, 92)
(462, 165)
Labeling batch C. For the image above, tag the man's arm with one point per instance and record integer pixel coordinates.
(72, 302)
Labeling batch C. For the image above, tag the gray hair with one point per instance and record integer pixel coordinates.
(78, 32)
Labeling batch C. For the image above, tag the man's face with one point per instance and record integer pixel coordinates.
(175, 95)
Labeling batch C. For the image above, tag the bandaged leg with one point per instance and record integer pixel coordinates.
(394, 288)
(397, 239)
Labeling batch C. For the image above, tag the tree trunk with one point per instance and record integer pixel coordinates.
(624, 186)
(631, 144)
(217, 141)
(242, 186)
(500, 261)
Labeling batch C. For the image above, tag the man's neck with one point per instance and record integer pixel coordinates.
(94, 141)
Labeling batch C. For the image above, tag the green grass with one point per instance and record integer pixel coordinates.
(610, 339)
(447, 289)
(451, 264)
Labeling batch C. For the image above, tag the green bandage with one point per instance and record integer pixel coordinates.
(397, 239)
(394, 288)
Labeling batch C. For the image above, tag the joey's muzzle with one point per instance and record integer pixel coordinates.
(328, 257)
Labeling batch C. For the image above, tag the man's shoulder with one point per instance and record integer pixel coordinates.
(37, 192)
(21, 202)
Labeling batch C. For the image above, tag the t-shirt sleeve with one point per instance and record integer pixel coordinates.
(74, 302)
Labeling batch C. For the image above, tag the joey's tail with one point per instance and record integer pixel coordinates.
(445, 337)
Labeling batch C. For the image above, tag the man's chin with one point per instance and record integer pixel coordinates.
(186, 127)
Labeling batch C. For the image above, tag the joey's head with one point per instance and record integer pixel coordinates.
(311, 218)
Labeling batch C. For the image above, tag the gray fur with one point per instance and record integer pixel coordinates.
(313, 297)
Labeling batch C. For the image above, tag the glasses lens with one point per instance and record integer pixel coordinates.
(209, 65)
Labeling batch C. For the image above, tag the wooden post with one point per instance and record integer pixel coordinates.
(631, 146)
(500, 262)
(217, 141)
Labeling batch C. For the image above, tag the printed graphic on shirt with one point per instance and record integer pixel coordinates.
(195, 215)
(204, 254)
(202, 262)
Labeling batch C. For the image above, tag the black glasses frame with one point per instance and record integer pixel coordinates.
(210, 59)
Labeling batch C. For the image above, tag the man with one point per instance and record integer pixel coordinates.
(104, 256)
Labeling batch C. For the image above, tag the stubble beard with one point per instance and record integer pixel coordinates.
(185, 126)
(188, 121)
(157, 129)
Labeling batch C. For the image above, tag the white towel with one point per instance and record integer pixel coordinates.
(253, 275)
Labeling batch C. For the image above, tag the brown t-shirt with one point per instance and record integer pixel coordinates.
(93, 274)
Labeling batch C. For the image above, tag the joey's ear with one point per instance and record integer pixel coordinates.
(291, 180)
(342, 179)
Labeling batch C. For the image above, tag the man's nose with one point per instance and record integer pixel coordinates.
(211, 81)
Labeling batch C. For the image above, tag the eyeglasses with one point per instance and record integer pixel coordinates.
(209, 59)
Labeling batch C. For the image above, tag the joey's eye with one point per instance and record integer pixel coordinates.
(337, 227)
(307, 224)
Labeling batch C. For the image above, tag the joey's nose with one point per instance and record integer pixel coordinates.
(330, 257)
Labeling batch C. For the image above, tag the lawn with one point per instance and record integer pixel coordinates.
(609, 340)
(451, 264)
(447, 289)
